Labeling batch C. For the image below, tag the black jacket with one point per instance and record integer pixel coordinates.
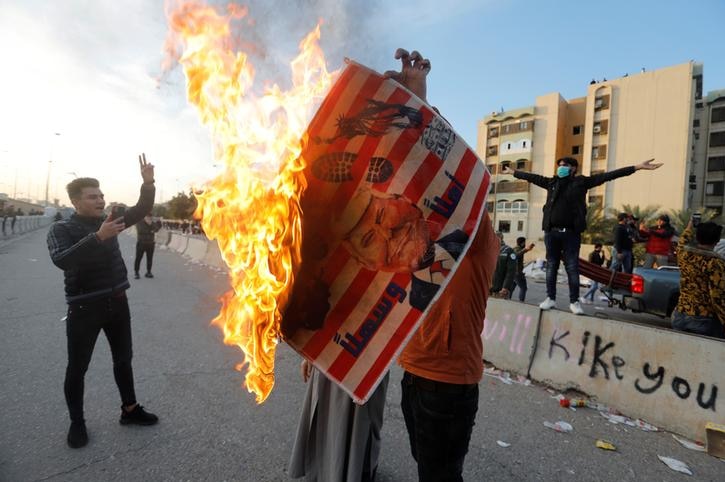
(92, 268)
(570, 194)
(145, 233)
(503, 276)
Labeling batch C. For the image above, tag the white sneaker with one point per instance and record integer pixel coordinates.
(585, 301)
(547, 304)
(576, 308)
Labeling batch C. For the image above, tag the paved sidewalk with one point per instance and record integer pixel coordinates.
(210, 427)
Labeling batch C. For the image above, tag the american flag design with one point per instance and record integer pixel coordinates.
(393, 198)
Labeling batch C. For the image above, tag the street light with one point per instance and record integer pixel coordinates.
(50, 161)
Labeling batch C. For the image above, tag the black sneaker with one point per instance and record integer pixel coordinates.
(149, 275)
(137, 416)
(136, 276)
(77, 435)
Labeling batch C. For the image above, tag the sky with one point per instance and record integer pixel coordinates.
(80, 95)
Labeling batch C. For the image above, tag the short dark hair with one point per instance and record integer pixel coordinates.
(520, 240)
(598, 245)
(622, 216)
(75, 187)
(569, 160)
(708, 233)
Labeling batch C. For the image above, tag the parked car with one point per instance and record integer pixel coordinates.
(654, 291)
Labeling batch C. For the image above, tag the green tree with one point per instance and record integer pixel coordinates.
(679, 218)
(645, 215)
(599, 226)
(159, 211)
(181, 206)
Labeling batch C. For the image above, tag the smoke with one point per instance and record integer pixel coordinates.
(270, 32)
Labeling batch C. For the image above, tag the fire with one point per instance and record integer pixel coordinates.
(252, 209)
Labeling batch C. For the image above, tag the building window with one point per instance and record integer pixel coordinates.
(599, 152)
(523, 125)
(698, 105)
(696, 123)
(505, 164)
(576, 130)
(521, 164)
(717, 139)
(507, 128)
(601, 103)
(524, 145)
(575, 150)
(508, 146)
(520, 226)
(518, 206)
(717, 115)
(493, 132)
(716, 163)
(504, 226)
(714, 188)
(492, 150)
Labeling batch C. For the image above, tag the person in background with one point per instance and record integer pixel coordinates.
(623, 244)
(337, 439)
(520, 278)
(701, 306)
(86, 248)
(145, 243)
(503, 276)
(595, 257)
(659, 240)
(443, 360)
(564, 220)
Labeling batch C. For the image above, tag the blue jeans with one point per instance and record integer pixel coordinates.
(439, 419)
(592, 290)
(520, 283)
(562, 245)
(624, 264)
(701, 325)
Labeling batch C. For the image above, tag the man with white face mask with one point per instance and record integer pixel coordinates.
(565, 219)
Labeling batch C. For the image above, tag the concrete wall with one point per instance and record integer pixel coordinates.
(23, 224)
(667, 378)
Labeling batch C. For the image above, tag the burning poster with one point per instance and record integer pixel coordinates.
(393, 196)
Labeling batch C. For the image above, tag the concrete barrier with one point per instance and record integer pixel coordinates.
(22, 225)
(163, 237)
(196, 248)
(668, 378)
(213, 256)
(178, 242)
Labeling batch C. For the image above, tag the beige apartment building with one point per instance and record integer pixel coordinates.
(659, 114)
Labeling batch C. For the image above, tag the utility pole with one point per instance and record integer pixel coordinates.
(50, 161)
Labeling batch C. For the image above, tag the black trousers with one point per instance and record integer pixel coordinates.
(84, 322)
(439, 420)
(140, 250)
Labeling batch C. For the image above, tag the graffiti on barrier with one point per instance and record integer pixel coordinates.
(600, 359)
(517, 335)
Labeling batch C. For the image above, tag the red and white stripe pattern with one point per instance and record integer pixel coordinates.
(419, 174)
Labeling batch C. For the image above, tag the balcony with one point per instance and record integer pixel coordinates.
(510, 186)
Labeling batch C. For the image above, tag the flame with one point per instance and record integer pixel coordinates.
(252, 209)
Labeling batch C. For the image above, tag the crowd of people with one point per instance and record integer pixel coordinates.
(443, 361)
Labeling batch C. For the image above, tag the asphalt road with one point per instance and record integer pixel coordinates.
(210, 427)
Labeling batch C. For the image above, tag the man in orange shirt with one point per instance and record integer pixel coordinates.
(443, 361)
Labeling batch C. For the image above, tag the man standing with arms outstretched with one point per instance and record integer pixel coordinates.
(443, 361)
(565, 219)
(86, 248)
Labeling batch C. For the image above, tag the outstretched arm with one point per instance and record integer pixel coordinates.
(598, 179)
(146, 198)
(540, 181)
